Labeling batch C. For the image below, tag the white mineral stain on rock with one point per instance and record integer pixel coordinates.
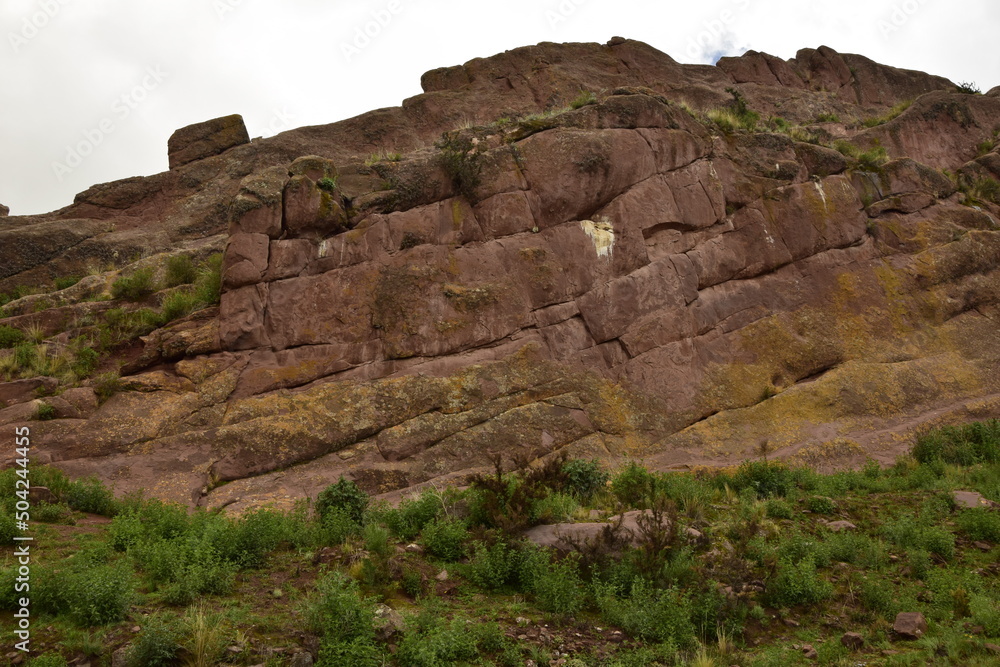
(323, 247)
(602, 234)
(822, 194)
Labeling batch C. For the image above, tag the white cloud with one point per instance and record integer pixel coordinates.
(70, 61)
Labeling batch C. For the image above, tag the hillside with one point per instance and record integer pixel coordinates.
(578, 248)
(581, 357)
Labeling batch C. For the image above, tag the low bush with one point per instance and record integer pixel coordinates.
(338, 612)
(633, 485)
(908, 532)
(157, 645)
(558, 588)
(180, 270)
(343, 495)
(91, 496)
(980, 524)
(777, 508)
(554, 508)
(820, 505)
(134, 287)
(438, 643)
(413, 514)
(650, 614)
(764, 478)
(977, 442)
(98, 595)
(797, 583)
(10, 337)
(445, 538)
(584, 478)
(493, 567)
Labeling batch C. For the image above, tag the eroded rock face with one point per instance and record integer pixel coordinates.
(202, 140)
(618, 280)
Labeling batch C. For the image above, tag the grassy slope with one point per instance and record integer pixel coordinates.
(191, 586)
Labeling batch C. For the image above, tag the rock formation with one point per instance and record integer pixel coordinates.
(505, 266)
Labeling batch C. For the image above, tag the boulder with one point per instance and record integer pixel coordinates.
(41, 494)
(910, 625)
(972, 500)
(4, 211)
(838, 526)
(852, 641)
(388, 622)
(202, 140)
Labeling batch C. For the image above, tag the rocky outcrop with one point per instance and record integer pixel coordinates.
(202, 140)
(620, 279)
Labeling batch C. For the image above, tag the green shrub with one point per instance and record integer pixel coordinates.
(180, 270)
(919, 562)
(820, 505)
(907, 532)
(336, 527)
(969, 88)
(86, 359)
(51, 513)
(878, 595)
(648, 613)
(554, 508)
(327, 184)
(208, 285)
(438, 644)
(10, 337)
(106, 385)
(493, 567)
(48, 660)
(413, 514)
(585, 478)
(412, 583)
(797, 583)
(872, 159)
(633, 485)
(66, 282)
(158, 643)
(246, 542)
(134, 287)
(986, 613)
(858, 549)
(777, 508)
(461, 160)
(980, 524)
(976, 442)
(445, 538)
(179, 304)
(7, 529)
(91, 496)
(356, 652)
(100, 595)
(45, 412)
(558, 588)
(765, 478)
(827, 118)
(344, 495)
(338, 612)
(377, 539)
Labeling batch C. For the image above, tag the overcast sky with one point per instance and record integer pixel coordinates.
(92, 89)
